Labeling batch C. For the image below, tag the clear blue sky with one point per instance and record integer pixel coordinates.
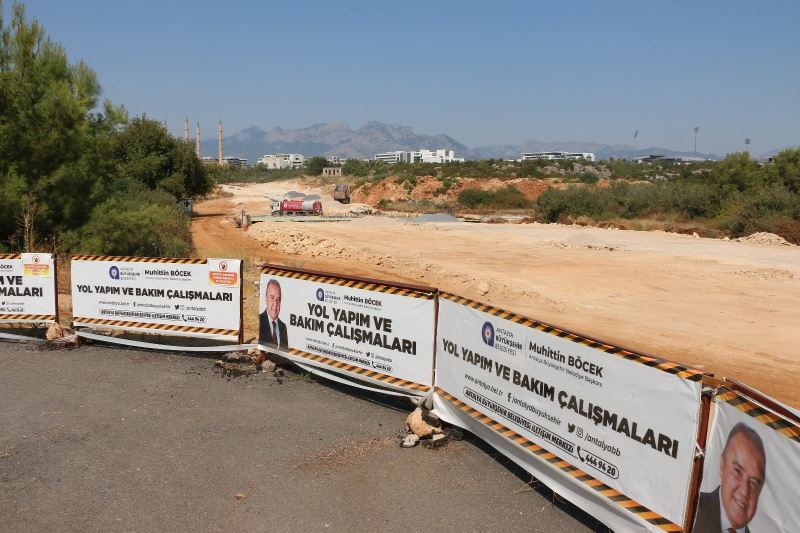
(492, 72)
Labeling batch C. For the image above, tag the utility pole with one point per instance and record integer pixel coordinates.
(747, 145)
(696, 129)
(635, 134)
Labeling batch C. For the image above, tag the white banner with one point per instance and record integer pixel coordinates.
(191, 297)
(622, 426)
(27, 288)
(372, 332)
(751, 476)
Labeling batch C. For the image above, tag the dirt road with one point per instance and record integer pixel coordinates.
(728, 307)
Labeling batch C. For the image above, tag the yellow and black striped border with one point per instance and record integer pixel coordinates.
(10, 256)
(389, 380)
(29, 318)
(765, 416)
(598, 486)
(132, 259)
(159, 327)
(681, 371)
(343, 282)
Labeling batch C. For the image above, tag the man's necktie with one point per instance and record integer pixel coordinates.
(274, 333)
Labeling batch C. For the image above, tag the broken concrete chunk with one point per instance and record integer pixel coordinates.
(420, 427)
(410, 441)
(435, 441)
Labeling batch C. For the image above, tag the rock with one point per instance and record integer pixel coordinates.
(435, 441)
(410, 441)
(418, 426)
(483, 288)
(453, 433)
(55, 331)
(234, 357)
(268, 366)
(248, 369)
(695, 235)
(219, 363)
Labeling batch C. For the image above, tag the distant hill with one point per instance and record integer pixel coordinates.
(375, 137)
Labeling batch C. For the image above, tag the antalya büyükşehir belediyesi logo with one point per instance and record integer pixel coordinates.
(487, 333)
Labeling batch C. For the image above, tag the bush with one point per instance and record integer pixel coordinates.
(506, 198)
(555, 203)
(139, 222)
(588, 177)
(472, 198)
(776, 210)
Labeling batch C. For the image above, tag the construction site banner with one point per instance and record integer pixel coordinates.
(27, 288)
(611, 430)
(369, 330)
(190, 297)
(751, 476)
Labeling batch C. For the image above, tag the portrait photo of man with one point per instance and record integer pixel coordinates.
(742, 472)
(271, 329)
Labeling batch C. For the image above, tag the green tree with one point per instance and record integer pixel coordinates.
(45, 127)
(785, 170)
(314, 165)
(146, 152)
(354, 167)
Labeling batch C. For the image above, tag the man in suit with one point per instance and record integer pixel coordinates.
(272, 330)
(732, 505)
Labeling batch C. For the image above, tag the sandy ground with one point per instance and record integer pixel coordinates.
(731, 308)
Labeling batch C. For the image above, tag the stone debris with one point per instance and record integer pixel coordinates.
(416, 423)
(435, 441)
(57, 333)
(410, 441)
(235, 364)
(765, 238)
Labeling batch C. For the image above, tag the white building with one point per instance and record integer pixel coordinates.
(238, 162)
(588, 156)
(276, 161)
(421, 156)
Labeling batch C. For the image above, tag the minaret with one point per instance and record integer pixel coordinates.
(186, 128)
(197, 141)
(219, 139)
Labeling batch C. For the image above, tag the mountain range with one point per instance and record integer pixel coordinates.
(334, 139)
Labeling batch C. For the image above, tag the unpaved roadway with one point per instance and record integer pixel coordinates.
(105, 439)
(732, 308)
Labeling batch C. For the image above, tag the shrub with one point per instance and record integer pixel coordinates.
(138, 222)
(472, 198)
(506, 198)
(576, 201)
(588, 177)
(776, 210)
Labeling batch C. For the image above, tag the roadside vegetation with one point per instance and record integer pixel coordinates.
(77, 175)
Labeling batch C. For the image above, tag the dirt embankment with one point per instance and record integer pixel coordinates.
(434, 189)
(727, 307)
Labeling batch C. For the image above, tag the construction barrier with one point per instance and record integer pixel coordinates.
(187, 297)
(611, 430)
(28, 293)
(373, 331)
(618, 433)
(752, 465)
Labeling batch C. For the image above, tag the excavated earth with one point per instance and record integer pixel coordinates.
(724, 306)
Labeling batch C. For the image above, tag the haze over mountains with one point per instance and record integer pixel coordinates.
(331, 139)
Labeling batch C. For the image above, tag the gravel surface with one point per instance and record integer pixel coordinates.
(108, 439)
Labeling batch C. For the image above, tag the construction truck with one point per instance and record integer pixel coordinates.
(342, 193)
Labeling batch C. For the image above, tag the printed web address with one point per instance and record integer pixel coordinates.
(140, 314)
(521, 421)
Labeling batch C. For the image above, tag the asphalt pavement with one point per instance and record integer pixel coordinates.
(108, 439)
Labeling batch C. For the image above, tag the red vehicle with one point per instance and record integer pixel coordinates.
(297, 207)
